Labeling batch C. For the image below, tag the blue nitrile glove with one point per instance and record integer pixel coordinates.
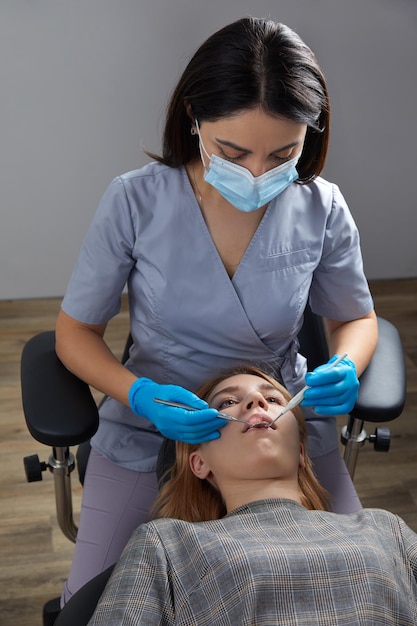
(172, 422)
(334, 390)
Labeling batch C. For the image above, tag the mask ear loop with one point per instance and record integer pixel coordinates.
(200, 143)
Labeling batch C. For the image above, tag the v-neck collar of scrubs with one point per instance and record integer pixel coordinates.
(198, 212)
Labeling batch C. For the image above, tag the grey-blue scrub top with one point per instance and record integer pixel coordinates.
(188, 318)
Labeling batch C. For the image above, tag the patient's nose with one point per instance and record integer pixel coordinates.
(256, 400)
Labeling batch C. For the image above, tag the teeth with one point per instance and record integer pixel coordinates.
(259, 425)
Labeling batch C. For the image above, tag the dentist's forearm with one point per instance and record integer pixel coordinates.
(358, 338)
(84, 352)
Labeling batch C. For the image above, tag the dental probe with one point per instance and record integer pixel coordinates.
(295, 401)
(179, 405)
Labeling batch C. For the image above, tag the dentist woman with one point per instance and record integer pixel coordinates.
(222, 241)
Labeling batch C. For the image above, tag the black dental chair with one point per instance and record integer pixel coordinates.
(60, 412)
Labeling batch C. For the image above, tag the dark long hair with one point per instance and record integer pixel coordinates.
(248, 64)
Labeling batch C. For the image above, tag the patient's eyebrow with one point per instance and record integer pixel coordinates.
(231, 389)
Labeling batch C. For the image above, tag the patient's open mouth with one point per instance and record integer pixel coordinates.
(261, 424)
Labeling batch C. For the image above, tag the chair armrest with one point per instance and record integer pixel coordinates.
(59, 408)
(382, 392)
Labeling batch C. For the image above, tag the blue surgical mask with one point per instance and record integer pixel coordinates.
(239, 187)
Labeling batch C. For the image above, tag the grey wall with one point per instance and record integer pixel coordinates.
(84, 84)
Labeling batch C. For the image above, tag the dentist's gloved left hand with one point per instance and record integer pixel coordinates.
(334, 390)
(172, 422)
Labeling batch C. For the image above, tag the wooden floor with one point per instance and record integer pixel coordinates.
(35, 556)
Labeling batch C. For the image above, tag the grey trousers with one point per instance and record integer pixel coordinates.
(115, 501)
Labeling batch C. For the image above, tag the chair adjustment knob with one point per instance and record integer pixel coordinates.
(34, 468)
(381, 439)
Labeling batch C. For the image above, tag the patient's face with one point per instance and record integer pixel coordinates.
(249, 398)
(263, 452)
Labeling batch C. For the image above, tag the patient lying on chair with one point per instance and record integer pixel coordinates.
(243, 535)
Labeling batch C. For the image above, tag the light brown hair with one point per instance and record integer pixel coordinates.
(186, 497)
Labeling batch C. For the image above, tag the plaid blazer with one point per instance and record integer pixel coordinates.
(267, 563)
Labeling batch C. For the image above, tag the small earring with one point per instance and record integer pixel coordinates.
(193, 130)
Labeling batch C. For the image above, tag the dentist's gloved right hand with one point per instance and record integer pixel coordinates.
(333, 390)
(172, 422)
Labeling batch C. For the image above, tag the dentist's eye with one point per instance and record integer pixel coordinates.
(232, 159)
(279, 159)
